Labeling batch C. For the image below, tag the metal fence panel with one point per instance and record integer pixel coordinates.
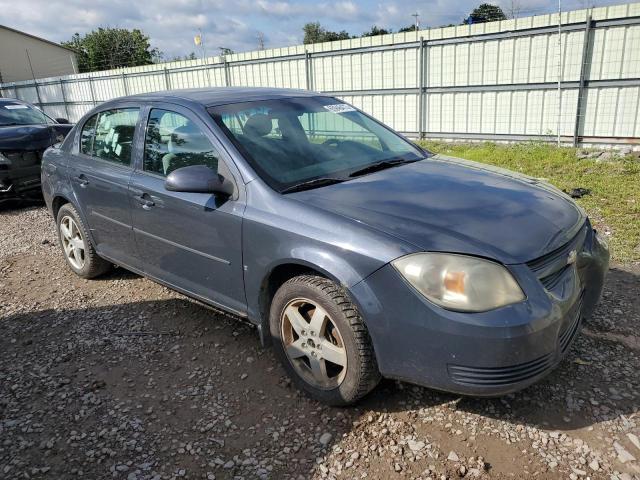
(496, 80)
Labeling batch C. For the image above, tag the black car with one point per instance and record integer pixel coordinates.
(25, 133)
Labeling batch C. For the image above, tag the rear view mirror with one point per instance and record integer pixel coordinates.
(198, 179)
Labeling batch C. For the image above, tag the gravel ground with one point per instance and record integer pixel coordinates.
(122, 378)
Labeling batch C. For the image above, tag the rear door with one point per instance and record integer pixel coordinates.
(100, 173)
(191, 241)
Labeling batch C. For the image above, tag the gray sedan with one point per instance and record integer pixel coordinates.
(357, 254)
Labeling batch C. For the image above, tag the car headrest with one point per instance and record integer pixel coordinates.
(188, 139)
(125, 132)
(257, 125)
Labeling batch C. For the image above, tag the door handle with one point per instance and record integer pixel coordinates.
(145, 201)
(50, 168)
(82, 180)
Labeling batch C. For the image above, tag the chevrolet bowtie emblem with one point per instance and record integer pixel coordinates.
(572, 257)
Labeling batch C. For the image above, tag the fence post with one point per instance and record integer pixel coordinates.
(207, 69)
(586, 54)
(64, 98)
(124, 84)
(93, 95)
(167, 84)
(307, 73)
(421, 91)
(227, 77)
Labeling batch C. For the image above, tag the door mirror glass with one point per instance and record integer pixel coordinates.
(198, 179)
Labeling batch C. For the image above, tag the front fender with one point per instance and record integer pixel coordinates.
(266, 249)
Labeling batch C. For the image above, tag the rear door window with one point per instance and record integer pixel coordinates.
(114, 135)
(109, 135)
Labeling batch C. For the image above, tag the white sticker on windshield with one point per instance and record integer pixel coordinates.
(340, 108)
(16, 107)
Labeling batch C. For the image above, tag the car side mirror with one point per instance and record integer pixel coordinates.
(198, 179)
(62, 120)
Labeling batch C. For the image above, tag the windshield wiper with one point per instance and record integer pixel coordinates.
(314, 183)
(375, 167)
(12, 124)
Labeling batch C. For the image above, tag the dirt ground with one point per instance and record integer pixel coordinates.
(122, 378)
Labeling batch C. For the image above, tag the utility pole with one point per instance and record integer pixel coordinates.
(417, 20)
(33, 75)
(260, 41)
(199, 41)
(204, 53)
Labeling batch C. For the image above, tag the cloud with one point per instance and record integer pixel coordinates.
(235, 24)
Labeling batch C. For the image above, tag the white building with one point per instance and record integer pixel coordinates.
(24, 56)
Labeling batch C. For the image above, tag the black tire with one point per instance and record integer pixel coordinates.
(94, 266)
(362, 373)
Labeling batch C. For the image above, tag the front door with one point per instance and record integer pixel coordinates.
(192, 241)
(100, 174)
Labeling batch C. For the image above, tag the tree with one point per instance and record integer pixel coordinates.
(178, 58)
(410, 28)
(486, 13)
(107, 48)
(315, 33)
(375, 30)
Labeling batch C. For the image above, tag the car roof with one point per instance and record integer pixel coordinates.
(11, 100)
(218, 95)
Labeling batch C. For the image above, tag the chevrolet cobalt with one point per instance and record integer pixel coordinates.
(357, 254)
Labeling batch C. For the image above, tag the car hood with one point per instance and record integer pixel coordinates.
(447, 204)
(26, 137)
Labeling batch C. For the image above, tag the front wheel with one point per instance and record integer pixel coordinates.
(322, 341)
(78, 251)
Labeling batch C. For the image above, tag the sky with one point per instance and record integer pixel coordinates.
(237, 24)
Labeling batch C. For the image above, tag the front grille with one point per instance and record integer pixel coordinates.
(550, 281)
(500, 376)
(550, 268)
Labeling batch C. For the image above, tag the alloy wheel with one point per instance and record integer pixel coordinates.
(313, 344)
(72, 242)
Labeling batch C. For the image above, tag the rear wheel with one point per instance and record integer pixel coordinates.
(77, 249)
(322, 341)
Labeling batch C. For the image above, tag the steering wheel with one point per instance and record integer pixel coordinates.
(332, 142)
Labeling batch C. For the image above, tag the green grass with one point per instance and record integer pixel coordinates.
(614, 202)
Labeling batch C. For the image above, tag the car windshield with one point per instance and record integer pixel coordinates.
(21, 114)
(308, 142)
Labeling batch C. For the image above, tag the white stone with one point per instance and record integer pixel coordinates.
(623, 455)
(325, 438)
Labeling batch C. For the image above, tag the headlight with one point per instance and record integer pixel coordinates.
(459, 282)
(4, 160)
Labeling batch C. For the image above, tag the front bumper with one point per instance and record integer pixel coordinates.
(489, 353)
(20, 180)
